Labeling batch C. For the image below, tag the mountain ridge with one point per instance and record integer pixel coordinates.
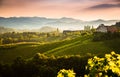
(44, 29)
(61, 23)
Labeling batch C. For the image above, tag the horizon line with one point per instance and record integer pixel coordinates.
(57, 18)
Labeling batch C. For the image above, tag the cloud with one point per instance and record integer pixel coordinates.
(113, 1)
(105, 6)
(10, 3)
(116, 0)
(20, 3)
(1, 2)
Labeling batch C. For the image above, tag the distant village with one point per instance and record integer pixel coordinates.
(101, 28)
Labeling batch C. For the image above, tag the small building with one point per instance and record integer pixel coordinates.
(105, 29)
(72, 31)
(87, 28)
(66, 31)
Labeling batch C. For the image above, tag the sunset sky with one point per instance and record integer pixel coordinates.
(79, 9)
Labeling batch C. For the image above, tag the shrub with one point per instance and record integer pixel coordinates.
(104, 67)
(66, 73)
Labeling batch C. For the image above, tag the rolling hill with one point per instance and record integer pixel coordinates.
(80, 46)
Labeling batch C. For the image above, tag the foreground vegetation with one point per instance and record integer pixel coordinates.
(43, 66)
(109, 66)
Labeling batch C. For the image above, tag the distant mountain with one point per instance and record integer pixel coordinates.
(44, 29)
(47, 29)
(61, 23)
(100, 21)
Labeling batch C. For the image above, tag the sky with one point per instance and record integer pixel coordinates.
(79, 9)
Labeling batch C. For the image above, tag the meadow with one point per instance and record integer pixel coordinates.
(45, 59)
(82, 45)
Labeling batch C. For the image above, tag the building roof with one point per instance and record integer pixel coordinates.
(112, 29)
(109, 28)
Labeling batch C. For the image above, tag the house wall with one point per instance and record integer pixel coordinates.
(102, 29)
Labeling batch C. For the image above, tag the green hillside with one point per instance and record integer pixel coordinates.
(80, 46)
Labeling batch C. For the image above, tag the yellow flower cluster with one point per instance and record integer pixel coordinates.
(104, 67)
(66, 73)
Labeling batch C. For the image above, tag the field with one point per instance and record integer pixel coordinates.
(82, 46)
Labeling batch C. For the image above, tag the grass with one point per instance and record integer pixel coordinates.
(83, 48)
(80, 46)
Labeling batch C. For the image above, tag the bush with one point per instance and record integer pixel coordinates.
(104, 67)
(98, 36)
(66, 73)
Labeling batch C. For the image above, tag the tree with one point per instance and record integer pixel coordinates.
(93, 29)
(7, 40)
(1, 41)
(19, 67)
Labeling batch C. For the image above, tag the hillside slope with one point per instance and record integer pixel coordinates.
(80, 46)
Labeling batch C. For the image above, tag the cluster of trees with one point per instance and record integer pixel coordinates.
(13, 37)
(117, 24)
(43, 66)
(99, 36)
(79, 33)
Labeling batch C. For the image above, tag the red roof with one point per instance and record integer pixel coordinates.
(109, 28)
(112, 29)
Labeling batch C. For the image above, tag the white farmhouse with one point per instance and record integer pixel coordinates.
(101, 28)
(105, 29)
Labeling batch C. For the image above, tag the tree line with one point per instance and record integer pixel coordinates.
(14, 37)
(99, 36)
